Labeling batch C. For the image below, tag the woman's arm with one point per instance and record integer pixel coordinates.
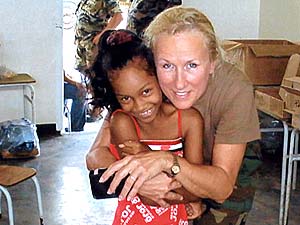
(99, 155)
(125, 138)
(214, 181)
(192, 128)
(192, 132)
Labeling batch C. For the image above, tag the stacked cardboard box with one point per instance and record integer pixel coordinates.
(264, 61)
(269, 101)
(277, 87)
(290, 89)
(284, 100)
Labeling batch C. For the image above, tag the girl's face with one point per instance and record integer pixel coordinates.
(183, 66)
(137, 91)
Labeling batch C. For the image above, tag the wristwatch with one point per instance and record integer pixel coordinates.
(175, 169)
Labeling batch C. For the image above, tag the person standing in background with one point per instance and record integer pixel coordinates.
(142, 12)
(77, 92)
(93, 18)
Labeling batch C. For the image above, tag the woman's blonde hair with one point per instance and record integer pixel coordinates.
(179, 19)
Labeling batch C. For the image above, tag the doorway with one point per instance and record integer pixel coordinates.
(69, 20)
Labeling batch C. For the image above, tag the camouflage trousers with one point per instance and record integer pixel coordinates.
(221, 217)
(235, 209)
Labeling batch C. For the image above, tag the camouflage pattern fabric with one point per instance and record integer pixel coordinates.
(222, 217)
(235, 209)
(92, 18)
(142, 12)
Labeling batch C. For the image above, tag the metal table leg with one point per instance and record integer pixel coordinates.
(289, 175)
(283, 171)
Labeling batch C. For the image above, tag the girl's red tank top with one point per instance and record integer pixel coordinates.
(134, 212)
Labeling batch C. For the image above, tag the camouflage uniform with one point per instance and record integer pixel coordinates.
(92, 18)
(142, 12)
(235, 209)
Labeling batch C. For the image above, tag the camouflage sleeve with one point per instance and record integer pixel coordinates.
(112, 6)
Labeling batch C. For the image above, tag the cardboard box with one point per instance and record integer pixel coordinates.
(292, 82)
(291, 97)
(291, 78)
(264, 61)
(267, 100)
(290, 86)
(295, 121)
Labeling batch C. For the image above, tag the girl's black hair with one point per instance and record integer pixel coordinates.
(116, 49)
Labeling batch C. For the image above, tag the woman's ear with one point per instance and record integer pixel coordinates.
(212, 67)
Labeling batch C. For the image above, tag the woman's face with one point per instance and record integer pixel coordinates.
(183, 66)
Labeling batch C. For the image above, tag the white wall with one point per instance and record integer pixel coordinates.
(280, 19)
(232, 19)
(31, 42)
(269, 19)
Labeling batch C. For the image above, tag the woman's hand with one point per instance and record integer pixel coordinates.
(140, 168)
(159, 190)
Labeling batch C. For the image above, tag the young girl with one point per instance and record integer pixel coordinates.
(125, 82)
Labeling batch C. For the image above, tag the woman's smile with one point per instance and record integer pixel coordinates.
(183, 69)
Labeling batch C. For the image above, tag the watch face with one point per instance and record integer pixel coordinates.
(175, 169)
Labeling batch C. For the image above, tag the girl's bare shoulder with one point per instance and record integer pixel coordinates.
(120, 119)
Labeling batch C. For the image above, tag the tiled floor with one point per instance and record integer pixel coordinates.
(67, 198)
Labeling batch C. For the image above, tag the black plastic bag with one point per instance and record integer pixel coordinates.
(18, 138)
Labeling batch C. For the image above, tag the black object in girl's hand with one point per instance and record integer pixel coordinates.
(99, 190)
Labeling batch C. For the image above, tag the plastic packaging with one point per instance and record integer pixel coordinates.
(18, 138)
(6, 73)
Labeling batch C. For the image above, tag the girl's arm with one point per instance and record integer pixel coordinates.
(123, 130)
(118, 129)
(99, 155)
